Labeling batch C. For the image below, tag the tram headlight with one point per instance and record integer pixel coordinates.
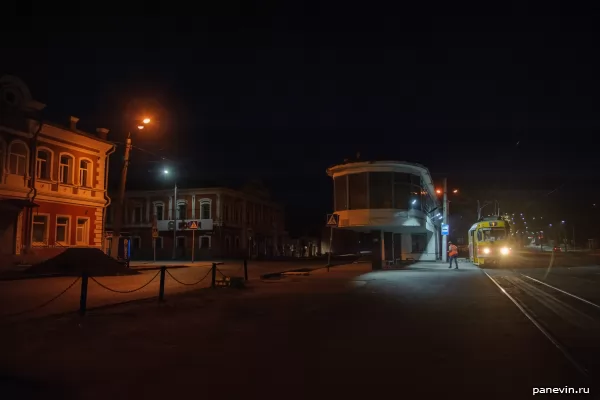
(504, 251)
(486, 250)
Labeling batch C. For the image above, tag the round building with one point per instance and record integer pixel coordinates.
(394, 203)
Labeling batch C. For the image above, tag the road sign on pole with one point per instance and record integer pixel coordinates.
(193, 225)
(154, 232)
(332, 220)
(445, 229)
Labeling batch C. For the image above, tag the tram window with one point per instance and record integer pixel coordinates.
(494, 234)
(479, 236)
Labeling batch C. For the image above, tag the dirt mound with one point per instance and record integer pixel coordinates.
(75, 261)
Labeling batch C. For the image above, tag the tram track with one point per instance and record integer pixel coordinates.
(570, 322)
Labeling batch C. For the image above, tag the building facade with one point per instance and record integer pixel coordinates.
(52, 180)
(395, 203)
(231, 224)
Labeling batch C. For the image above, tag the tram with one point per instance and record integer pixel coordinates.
(489, 242)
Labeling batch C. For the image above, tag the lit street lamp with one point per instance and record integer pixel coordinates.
(166, 172)
(118, 220)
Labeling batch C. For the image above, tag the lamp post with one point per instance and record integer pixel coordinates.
(118, 220)
(166, 172)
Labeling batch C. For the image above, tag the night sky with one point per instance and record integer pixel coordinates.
(493, 99)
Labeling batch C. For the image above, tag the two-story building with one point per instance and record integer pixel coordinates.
(52, 180)
(231, 223)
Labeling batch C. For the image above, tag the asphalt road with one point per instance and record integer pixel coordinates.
(423, 332)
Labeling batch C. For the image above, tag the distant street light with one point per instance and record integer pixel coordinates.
(166, 172)
(118, 221)
(455, 191)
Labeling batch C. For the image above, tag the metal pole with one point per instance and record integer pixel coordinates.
(161, 287)
(445, 221)
(154, 248)
(118, 220)
(193, 243)
(83, 294)
(175, 222)
(330, 247)
(573, 237)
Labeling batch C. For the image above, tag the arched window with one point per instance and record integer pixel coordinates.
(65, 169)
(85, 173)
(205, 208)
(18, 153)
(159, 209)
(181, 209)
(43, 164)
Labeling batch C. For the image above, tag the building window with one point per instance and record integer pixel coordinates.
(340, 192)
(227, 244)
(181, 211)
(43, 164)
(205, 209)
(62, 230)
(181, 241)
(357, 191)
(159, 209)
(40, 230)
(65, 169)
(85, 173)
(138, 212)
(158, 242)
(381, 190)
(136, 242)
(419, 242)
(109, 215)
(204, 242)
(237, 243)
(82, 232)
(17, 158)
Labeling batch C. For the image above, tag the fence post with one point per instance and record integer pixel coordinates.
(246, 269)
(161, 290)
(214, 274)
(83, 296)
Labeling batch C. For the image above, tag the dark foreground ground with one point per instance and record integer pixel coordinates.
(424, 332)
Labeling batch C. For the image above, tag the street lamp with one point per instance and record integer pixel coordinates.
(118, 221)
(166, 173)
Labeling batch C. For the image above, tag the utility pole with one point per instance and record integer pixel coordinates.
(445, 221)
(175, 222)
(118, 221)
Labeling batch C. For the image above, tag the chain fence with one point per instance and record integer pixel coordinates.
(29, 310)
(189, 284)
(124, 291)
(164, 270)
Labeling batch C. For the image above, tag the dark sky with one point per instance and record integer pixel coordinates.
(491, 98)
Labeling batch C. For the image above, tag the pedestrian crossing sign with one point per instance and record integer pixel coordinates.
(154, 232)
(193, 225)
(332, 220)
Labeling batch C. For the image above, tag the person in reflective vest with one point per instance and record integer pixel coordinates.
(453, 254)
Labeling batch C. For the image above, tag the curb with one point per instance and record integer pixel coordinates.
(299, 271)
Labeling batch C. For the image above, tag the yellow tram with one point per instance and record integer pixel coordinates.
(489, 241)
